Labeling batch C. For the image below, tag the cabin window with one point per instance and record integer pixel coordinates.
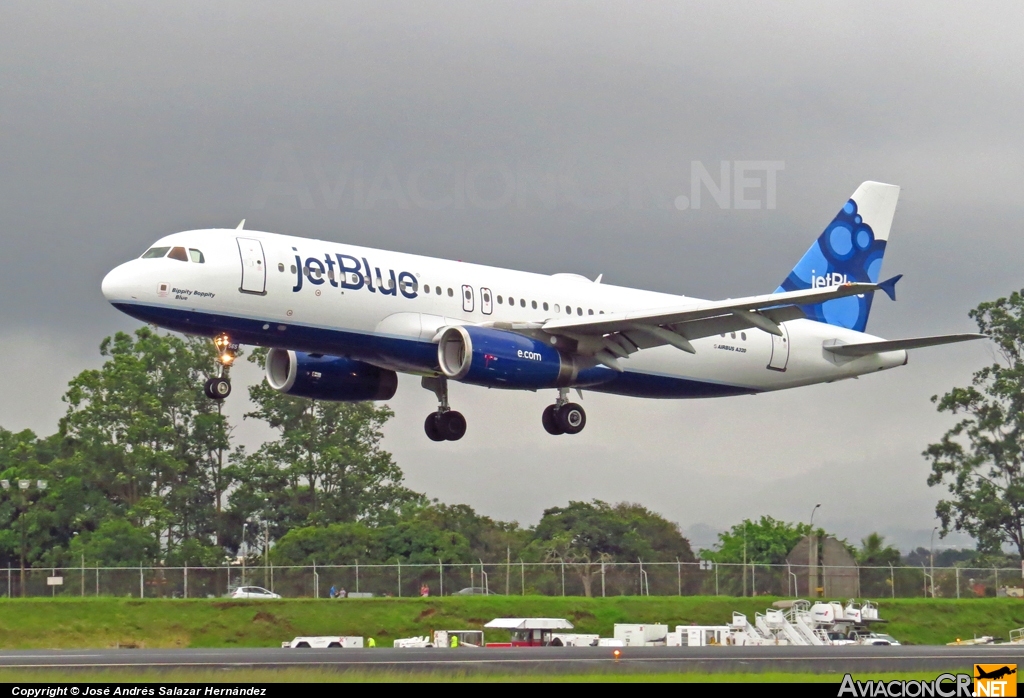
(198, 257)
(522, 302)
(568, 309)
(451, 293)
(511, 300)
(732, 335)
(293, 268)
(558, 309)
(426, 288)
(534, 304)
(437, 290)
(500, 300)
(579, 311)
(743, 336)
(590, 311)
(280, 266)
(155, 252)
(178, 253)
(468, 294)
(545, 305)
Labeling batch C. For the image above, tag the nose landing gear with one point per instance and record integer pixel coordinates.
(563, 417)
(446, 424)
(219, 386)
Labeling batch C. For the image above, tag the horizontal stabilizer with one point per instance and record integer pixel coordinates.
(867, 348)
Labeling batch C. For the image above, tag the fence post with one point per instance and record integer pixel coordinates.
(186, 581)
(399, 577)
(716, 579)
(522, 576)
(440, 576)
(679, 577)
(996, 570)
(142, 586)
(316, 582)
(97, 579)
(8, 582)
(602, 579)
(563, 577)
(957, 582)
(357, 575)
(892, 579)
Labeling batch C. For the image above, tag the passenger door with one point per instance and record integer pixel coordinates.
(780, 350)
(254, 267)
(467, 298)
(485, 301)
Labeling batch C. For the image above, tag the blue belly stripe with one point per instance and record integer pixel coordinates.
(391, 352)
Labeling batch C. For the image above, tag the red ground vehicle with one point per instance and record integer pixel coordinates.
(528, 632)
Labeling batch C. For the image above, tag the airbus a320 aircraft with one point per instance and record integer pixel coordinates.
(341, 321)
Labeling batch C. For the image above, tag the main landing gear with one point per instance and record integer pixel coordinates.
(219, 387)
(446, 424)
(563, 417)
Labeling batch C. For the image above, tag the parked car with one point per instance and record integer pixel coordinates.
(879, 639)
(253, 593)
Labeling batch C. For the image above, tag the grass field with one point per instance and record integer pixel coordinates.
(15, 676)
(109, 622)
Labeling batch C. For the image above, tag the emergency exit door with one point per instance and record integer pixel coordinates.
(467, 298)
(254, 266)
(780, 350)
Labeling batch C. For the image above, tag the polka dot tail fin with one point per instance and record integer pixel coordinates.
(850, 250)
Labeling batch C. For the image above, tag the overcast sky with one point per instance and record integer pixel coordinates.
(547, 137)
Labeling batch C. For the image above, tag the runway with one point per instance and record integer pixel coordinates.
(537, 659)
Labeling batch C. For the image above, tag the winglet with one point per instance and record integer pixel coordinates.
(889, 286)
(241, 225)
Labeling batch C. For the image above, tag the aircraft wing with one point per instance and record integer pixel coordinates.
(868, 348)
(614, 336)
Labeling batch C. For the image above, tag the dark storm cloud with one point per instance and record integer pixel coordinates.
(549, 137)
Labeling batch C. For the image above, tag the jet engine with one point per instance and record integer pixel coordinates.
(500, 359)
(334, 378)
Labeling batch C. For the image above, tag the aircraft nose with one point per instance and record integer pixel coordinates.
(117, 284)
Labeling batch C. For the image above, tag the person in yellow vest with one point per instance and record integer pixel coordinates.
(454, 641)
(371, 642)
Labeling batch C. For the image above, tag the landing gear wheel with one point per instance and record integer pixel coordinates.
(431, 427)
(452, 425)
(217, 388)
(550, 421)
(571, 418)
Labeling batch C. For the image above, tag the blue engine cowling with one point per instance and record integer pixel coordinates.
(500, 359)
(328, 377)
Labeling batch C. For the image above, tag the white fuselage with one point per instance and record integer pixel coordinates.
(394, 325)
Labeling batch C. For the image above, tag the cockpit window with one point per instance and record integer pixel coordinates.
(154, 252)
(197, 256)
(178, 253)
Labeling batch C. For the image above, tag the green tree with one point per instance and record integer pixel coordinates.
(587, 534)
(140, 432)
(326, 466)
(763, 542)
(875, 553)
(980, 459)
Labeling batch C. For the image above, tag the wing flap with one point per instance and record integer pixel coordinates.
(868, 348)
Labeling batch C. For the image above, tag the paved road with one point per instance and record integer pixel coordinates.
(561, 659)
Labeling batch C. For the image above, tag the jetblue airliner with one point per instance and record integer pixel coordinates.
(341, 321)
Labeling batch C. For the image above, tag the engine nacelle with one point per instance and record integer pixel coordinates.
(500, 359)
(328, 377)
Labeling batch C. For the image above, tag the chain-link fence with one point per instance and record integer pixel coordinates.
(517, 578)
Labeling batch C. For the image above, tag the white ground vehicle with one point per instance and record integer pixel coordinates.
(253, 593)
(324, 642)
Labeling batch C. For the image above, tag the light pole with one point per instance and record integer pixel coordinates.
(812, 557)
(931, 559)
(240, 548)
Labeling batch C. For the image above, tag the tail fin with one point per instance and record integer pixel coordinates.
(850, 250)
